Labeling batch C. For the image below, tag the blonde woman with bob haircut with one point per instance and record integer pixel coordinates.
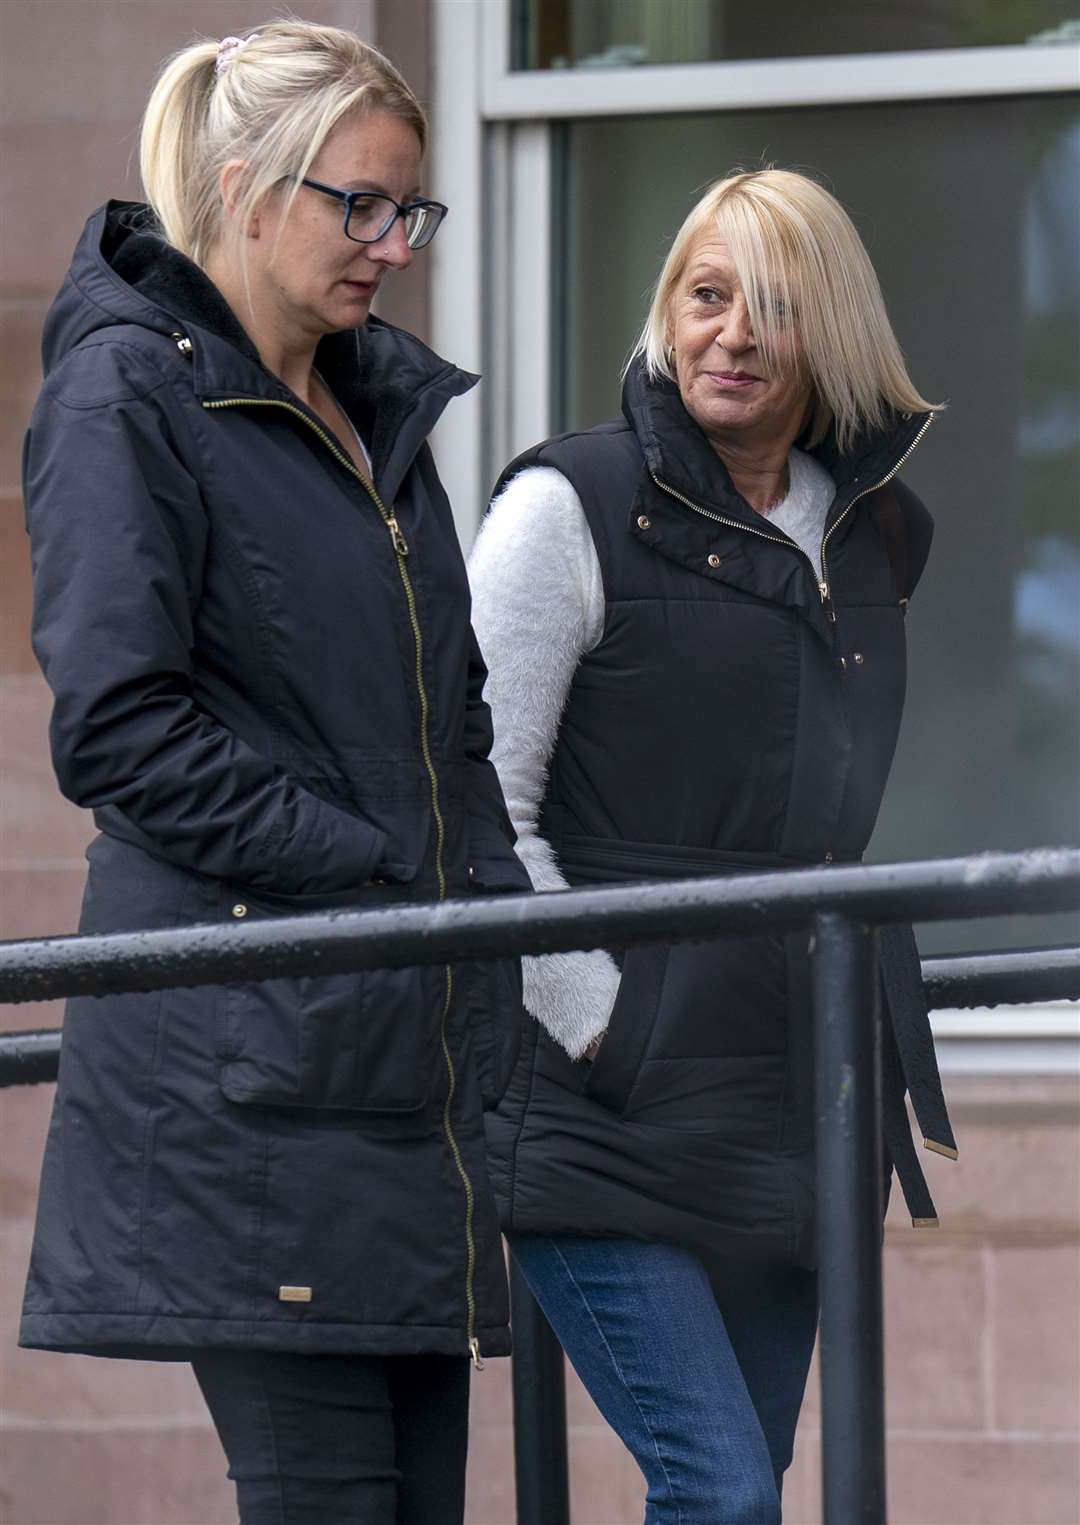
(694, 616)
(253, 614)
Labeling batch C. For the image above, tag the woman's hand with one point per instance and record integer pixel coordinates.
(594, 1047)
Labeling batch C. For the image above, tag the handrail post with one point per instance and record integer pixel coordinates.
(849, 1203)
(541, 1469)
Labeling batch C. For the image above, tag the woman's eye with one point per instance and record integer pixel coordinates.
(707, 294)
(781, 312)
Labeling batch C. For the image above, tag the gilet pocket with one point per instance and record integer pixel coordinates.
(613, 1073)
(365, 1042)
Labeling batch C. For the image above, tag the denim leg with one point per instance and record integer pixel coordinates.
(771, 1316)
(642, 1328)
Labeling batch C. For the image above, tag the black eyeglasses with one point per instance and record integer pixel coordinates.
(370, 216)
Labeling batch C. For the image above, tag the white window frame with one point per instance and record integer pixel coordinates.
(492, 283)
(493, 128)
(513, 95)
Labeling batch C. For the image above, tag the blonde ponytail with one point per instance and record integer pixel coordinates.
(270, 101)
(172, 149)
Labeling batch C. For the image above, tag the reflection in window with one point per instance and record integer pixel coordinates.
(559, 34)
(971, 211)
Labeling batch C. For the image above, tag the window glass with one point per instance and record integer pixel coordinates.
(971, 213)
(559, 34)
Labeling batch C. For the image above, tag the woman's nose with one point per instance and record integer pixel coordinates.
(736, 331)
(393, 248)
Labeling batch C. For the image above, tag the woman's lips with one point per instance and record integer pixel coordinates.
(361, 288)
(732, 381)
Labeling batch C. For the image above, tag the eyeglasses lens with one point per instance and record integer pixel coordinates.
(372, 217)
(420, 225)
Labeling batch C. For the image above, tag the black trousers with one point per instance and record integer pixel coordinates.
(341, 1440)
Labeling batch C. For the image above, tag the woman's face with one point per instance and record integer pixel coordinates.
(320, 281)
(721, 375)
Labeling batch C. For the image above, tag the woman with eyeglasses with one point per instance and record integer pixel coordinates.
(252, 611)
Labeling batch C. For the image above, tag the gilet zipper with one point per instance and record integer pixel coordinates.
(401, 551)
(749, 529)
(826, 599)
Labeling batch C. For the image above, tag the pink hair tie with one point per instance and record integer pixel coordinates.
(228, 48)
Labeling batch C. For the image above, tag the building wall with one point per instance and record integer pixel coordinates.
(984, 1339)
(982, 1360)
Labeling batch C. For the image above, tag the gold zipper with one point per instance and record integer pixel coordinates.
(401, 545)
(749, 529)
(823, 581)
(401, 550)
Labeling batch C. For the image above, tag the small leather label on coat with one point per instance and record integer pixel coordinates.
(294, 1294)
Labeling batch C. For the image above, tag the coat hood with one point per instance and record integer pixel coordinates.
(123, 272)
(677, 451)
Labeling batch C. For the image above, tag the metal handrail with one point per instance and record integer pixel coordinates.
(841, 904)
(608, 916)
(1002, 979)
(951, 982)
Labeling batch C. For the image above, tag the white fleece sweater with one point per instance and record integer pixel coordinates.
(538, 607)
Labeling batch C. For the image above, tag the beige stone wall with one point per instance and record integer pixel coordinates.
(983, 1362)
(984, 1336)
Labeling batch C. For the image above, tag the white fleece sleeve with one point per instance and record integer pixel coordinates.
(538, 607)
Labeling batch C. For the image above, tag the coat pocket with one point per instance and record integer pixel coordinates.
(612, 1074)
(365, 1042)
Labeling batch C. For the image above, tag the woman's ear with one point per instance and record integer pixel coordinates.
(233, 182)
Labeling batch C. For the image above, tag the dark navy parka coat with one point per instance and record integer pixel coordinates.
(270, 696)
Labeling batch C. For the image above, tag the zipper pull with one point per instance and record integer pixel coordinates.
(826, 599)
(183, 344)
(401, 545)
(474, 1354)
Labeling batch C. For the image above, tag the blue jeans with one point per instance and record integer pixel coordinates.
(700, 1371)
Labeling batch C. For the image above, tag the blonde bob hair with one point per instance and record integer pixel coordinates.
(270, 101)
(816, 300)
